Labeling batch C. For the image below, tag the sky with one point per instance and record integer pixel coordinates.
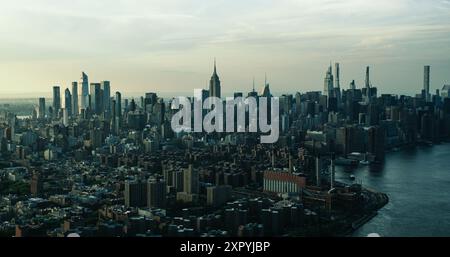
(169, 46)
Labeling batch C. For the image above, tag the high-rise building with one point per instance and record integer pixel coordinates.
(253, 93)
(328, 82)
(125, 103)
(36, 185)
(75, 107)
(65, 117)
(337, 89)
(118, 104)
(266, 90)
(135, 194)
(158, 112)
(96, 98)
(368, 95)
(84, 91)
(191, 180)
(353, 85)
(214, 84)
(68, 102)
(118, 111)
(426, 82)
(218, 195)
(337, 84)
(56, 100)
(113, 116)
(41, 113)
(106, 90)
(149, 100)
(156, 193)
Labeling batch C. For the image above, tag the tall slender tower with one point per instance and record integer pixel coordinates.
(118, 111)
(426, 82)
(337, 84)
(337, 89)
(96, 98)
(328, 82)
(214, 84)
(41, 113)
(106, 89)
(56, 100)
(68, 102)
(75, 108)
(367, 85)
(84, 91)
(367, 77)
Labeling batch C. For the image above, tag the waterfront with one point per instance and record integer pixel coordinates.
(417, 181)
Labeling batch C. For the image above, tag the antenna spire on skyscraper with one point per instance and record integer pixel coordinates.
(253, 83)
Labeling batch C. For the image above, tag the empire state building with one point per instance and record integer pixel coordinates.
(214, 83)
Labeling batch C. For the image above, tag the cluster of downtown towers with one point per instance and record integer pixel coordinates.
(95, 98)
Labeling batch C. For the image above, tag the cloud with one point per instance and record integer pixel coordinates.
(168, 35)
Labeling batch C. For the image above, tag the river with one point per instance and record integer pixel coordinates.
(417, 181)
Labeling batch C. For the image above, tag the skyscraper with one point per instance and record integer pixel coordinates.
(337, 89)
(96, 99)
(56, 100)
(84, 91)
(106, 90)
(214, 84)
(41, 113)
(191, 179)
(253, 93)
(353, 85)
(75, 108)
(149, 101)
(156, 193)
(68, 102)
(328, 82)
(113, 116)
(368, 95)
(337, 84)
(426, 82)
(65, 117)
(135, 193)
(118, 111)
(266, 90)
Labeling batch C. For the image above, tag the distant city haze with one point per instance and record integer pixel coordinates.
(169, 46)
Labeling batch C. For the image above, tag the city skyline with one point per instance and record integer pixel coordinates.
(257, 86)
(169, 47)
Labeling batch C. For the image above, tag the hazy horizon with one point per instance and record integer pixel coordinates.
(169, 46)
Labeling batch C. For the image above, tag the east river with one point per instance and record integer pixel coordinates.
(417, 181)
